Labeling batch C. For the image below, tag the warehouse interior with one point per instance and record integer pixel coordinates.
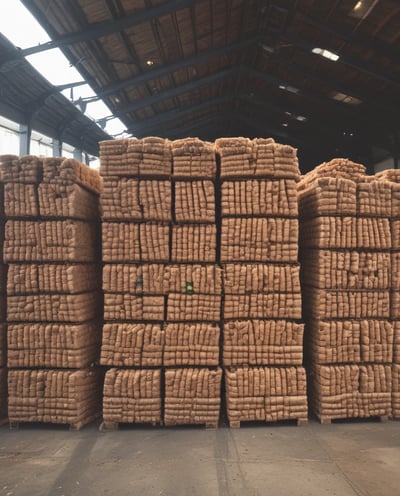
(197, 222)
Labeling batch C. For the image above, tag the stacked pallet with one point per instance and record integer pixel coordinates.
(3, 328)
(162, 300)
(192, 333)
(53, 289)
(345, 258)
(262, 335)
(393, 178)
(136, 207)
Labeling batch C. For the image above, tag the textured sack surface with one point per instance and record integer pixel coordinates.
(55, 396)
(54, 307)
(67, 200)
(259, 197)
(340, 196)
(133, 199)
(126, 242)
(351, 341)
(26, 169)
(149, 156)
(132, 396)
(347, 269)
(50, 241)
(396, 340)
(162, 279)
(322, 303)
(396, 391)
(194, 344)
(21, 200)
(199, 307)
(69, 171)
(53, 345)
(194, 201)
(241, 157)
(263, 306)
(262, 342)
(3, 393)
(194, 243)
(120, 306)
(259, 240)
(51, 278)
(193, 158)
(192, 396)
(266, 393)
(132, 345)
(261, 278)
(3, 345)
(346, 391)
(347, 232)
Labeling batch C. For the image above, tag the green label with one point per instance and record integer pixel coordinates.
(189, 287)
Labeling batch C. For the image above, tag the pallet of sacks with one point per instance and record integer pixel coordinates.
(3, 373)
(54, 302)
(192, 396)
(70, 397)
(345, 246)
(262, 308)
(266, 394)
(351, 391)
(391, 178)
(131, 396)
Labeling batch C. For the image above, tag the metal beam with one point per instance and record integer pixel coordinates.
(307, 46)
(164, 70)
(105, 28)
(159, 120)
(186, 127)
(382, 48)
(179, 90)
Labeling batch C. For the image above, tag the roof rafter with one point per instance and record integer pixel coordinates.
(159, 72)
(105, 28)
(159, 120)
(176, 91)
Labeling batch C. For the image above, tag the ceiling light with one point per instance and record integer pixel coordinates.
(288, 113)
(343, 98)
(301, 118)
(268, 48)
(150, 62)
(326, 53)
(117, 100)
(362, 8)
(290, 89)
(285, 124)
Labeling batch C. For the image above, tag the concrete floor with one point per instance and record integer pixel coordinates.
(314, 460)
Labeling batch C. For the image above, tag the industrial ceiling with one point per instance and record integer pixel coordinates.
(323, 76)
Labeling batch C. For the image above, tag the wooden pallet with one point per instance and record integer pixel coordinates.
(107, 425)
(236, 424)
(209, 426)
(327, 420)
(74, 426)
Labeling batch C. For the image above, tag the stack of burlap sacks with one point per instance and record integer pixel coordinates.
(262, 333)
(53, 289)
(345, 245)
(162, 288)
(393, 178)
(3, 327)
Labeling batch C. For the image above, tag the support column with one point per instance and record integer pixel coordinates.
(78, 154)
(25, 131)
(57, 148)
